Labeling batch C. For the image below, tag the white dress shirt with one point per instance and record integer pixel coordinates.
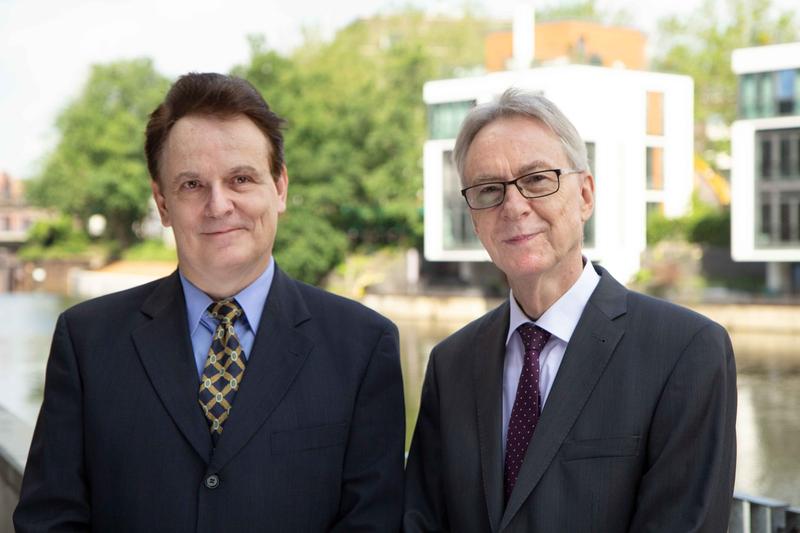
(560, 321)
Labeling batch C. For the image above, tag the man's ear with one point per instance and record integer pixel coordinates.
(282, 187)
(587, 196)
(161, 203)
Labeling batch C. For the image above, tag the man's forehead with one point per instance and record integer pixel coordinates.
(525, 167)
(228, 131)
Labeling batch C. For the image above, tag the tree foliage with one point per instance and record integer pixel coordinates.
(581, 10)
(701, 46)
(98, 166)
(356, 126)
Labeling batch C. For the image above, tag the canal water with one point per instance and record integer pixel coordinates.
(768, 425)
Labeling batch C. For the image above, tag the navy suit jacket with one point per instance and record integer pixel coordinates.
(314, 441)
(638, 433)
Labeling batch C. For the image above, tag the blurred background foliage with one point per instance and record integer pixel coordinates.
(356, 125)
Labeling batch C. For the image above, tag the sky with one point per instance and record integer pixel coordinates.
(48, 46)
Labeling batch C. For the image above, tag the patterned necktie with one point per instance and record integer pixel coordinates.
(224, 367)
(525, 413)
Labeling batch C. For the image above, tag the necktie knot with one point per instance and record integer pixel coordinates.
(533, 337)
(226, 311)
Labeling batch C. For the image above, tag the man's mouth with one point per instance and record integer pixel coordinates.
(218, 232)
(520, 238)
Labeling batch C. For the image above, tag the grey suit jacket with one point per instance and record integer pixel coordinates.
(638, 433)
(314, 442)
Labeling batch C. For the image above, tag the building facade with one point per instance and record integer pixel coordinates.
(765, 171)
(639, 134)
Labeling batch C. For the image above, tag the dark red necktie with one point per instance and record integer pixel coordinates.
(525, 413)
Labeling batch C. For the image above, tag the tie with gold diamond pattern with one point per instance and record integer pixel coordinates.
(224, 367)
(525, 413)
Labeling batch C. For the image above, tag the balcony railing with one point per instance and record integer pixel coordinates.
(754, 514)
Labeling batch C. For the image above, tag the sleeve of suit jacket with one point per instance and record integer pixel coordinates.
(54, 494)
(424, 499)
(372, 478)
(694, 423)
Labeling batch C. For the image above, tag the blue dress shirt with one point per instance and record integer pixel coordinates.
(201, 325)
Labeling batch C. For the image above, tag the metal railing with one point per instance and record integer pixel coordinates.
(754, 514)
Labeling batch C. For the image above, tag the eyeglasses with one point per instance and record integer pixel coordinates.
(534, 185)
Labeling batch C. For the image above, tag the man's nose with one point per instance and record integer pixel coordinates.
(218, 202)
(514, 204)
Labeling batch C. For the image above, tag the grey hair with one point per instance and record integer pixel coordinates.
(516, 102)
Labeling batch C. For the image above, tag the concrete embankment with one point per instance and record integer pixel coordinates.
(735, 317)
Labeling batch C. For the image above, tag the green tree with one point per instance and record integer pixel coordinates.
(356, 126)
(581, 10)
(98, 164)
(701, 46)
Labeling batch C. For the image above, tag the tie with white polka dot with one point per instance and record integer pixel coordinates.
(525, 413)
(224, 367)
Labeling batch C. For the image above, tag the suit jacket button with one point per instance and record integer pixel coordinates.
(212, 481)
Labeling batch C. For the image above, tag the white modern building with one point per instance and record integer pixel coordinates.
(765, 174)
(638, 127)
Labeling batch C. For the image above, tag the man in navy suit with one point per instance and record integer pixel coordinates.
(227, 396)
(576, 405)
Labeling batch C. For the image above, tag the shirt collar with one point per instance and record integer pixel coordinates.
(562, 317)
(251, 299)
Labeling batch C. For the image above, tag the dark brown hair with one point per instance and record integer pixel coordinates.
(216, 95)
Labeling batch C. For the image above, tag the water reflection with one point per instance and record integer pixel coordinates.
(768, 424)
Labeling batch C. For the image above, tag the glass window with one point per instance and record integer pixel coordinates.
(655, 168)
(785, 92)
(778, 154)
(748, 96)
(766, 94)
(797, 89)
(457, 224)
(766, 221)
(785, 157)
(444, 120)
(765, 156)
(785, 223)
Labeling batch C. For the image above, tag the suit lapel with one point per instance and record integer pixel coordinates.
(164, 349)
(589, 350)
(489, 353)
(278, 354)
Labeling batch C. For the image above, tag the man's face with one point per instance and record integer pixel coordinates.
(528, 237)
(216, 191)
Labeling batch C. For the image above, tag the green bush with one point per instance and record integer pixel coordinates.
(660, 228)
(54, 239)
(307, 246)
(711, 227)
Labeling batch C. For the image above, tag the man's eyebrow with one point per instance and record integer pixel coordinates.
(533, 166)
(528, 168)
(243, 169)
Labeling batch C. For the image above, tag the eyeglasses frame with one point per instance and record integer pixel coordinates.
(559, 172)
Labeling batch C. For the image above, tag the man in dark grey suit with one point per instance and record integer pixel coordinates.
(227, 396)
(577, 405)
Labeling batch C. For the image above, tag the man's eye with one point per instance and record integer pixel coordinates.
(190, 184)
(241, 179)
(490, 188)
(535, 178)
